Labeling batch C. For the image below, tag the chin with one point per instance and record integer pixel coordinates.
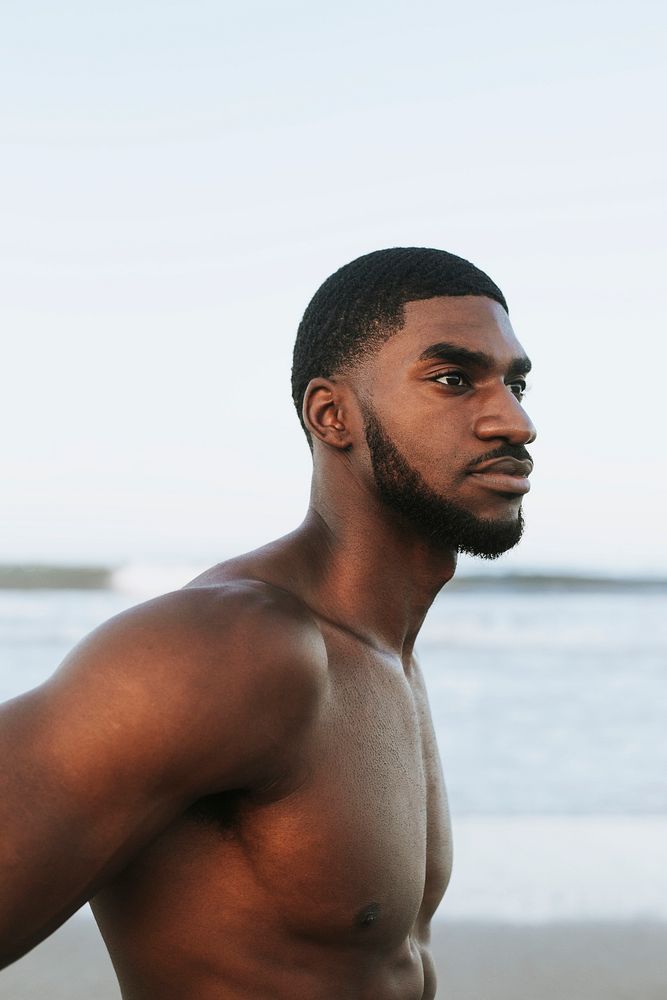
(490, 538)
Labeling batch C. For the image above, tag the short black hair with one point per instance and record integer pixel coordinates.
(361, 305)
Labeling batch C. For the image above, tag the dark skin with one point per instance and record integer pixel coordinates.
(242, 776)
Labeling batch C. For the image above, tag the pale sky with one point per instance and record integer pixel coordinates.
(178, 178)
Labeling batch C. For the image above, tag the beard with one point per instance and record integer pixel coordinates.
(441, 523)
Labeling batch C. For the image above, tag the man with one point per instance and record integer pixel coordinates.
(242, 776)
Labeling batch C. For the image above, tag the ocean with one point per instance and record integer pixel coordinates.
(549, 700)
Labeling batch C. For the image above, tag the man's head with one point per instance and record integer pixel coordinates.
(406, 361)
(361, 305)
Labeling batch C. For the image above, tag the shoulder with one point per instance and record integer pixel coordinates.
(254, 632)
(243, 622)
(241, 666)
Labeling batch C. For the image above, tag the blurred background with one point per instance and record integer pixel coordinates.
(177, 180)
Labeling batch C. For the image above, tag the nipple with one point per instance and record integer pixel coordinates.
(368, 916)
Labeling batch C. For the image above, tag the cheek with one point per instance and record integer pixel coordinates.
(402, 418)
(433, 444)
(438, 456)
(436, 446)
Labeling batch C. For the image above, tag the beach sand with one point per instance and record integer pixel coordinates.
(476, 961)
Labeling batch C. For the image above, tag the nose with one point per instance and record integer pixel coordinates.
(504, 417)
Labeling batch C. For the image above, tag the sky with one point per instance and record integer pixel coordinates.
(177, 179)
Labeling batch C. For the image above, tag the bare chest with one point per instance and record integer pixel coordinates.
(355, 854)
(363, 841)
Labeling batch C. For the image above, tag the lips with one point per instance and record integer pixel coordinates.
(507, 465)
(504, 475)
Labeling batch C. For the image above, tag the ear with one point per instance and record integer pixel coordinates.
(324, 413)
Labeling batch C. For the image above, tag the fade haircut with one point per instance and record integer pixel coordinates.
(361, 305)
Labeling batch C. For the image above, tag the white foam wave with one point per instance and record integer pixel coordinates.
(143, 580)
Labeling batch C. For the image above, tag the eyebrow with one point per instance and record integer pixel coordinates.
(458, 355)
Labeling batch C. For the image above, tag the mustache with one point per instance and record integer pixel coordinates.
(517, 451)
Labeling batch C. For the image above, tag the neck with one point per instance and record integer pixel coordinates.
(366, 570)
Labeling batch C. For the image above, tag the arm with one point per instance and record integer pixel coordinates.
(193, 693)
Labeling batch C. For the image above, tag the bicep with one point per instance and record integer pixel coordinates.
(80, 794)
(94, 764)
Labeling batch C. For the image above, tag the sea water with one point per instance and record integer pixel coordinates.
(551, 715)
(550, 709)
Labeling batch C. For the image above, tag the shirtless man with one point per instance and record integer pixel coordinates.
(242, 776)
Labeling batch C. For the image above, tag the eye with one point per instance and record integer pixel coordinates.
(456, 379)
(518, 387)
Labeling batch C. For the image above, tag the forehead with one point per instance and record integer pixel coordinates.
(470, 321)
